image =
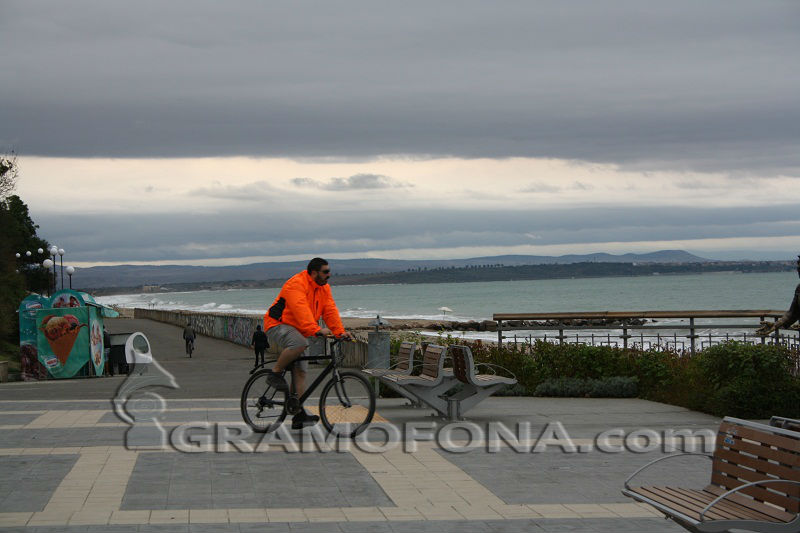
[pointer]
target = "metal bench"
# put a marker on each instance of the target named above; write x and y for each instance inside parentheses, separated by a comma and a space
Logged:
(785, 423)
(476, 387)
(403, 366)
(755, 483)
(429, 385)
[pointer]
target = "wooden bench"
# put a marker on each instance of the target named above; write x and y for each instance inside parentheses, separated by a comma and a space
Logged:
(476, 387)
(429, 385)
(755, 483)
(403, 366)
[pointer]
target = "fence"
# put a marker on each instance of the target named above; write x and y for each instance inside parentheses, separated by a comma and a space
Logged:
(643, 329)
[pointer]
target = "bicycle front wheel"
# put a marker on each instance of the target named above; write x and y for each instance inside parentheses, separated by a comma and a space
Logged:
(347, 404)
(263, 407)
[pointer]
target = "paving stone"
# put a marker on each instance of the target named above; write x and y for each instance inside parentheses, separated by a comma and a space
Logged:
(28, 481)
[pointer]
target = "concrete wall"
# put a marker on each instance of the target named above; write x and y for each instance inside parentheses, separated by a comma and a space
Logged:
(234, 328)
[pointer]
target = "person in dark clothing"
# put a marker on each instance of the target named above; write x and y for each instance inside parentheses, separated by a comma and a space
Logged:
(188, 336)
(107, 351)
(790, 317)
(259, 344)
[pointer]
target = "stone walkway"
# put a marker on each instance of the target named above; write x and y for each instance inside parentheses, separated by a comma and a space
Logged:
(67, 464)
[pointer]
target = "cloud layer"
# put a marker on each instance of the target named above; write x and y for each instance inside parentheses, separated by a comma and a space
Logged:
(678, 85)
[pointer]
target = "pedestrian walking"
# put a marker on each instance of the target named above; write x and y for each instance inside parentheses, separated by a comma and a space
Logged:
(259, 344)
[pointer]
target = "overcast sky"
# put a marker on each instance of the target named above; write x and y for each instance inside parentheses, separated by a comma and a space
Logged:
(210, 133)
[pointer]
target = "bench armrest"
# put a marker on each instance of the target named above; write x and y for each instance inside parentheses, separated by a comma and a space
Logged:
(390, 367)
(492, 367)
(740, 487)
(651, 463)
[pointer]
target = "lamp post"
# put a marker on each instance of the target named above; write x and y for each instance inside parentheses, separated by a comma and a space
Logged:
(61, 253)
(54, 252)
(47, 263)
(70, 272)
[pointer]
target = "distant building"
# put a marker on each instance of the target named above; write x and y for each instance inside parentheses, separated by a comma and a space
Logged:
(151, 288)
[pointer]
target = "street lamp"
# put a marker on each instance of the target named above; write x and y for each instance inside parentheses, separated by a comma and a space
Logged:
(53, 251)
(47, 263)
(61, 253)
(70, 272)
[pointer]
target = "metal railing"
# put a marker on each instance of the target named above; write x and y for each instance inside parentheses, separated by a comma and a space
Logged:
(643, 329)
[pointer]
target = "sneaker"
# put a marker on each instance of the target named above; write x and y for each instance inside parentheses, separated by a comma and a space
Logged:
(276, 381)
(303, 419)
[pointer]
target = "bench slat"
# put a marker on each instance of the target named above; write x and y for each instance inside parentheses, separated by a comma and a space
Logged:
(759, 465)
(790, 460)
(697, 501)
(783, 443)
(726, 506)
(655, 494)
(778, 515)
(730, 482)
(691, 502)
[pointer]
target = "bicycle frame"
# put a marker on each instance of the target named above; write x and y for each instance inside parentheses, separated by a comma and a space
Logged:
(331, 368)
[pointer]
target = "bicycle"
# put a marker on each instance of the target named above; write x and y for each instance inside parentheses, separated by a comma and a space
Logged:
(346, 403)
(189, 347)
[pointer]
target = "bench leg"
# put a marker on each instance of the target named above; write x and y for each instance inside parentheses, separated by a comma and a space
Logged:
(471, 396)
(431, 395)
(415, 402)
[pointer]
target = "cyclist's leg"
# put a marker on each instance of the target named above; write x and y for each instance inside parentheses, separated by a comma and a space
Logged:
(299, 376)
(292, 342)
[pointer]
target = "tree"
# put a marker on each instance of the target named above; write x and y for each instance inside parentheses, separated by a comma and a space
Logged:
(8, 175)
(17, 275)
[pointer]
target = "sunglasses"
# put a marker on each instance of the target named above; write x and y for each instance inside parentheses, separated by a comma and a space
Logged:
(327, 271)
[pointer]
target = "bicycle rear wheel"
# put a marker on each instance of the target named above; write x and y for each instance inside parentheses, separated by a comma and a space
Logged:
(347, 404)
(263, 407)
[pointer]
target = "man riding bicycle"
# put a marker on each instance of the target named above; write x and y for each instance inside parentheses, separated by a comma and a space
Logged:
(294, 318)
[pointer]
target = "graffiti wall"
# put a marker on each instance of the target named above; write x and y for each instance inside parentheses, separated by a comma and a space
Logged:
(234, 328)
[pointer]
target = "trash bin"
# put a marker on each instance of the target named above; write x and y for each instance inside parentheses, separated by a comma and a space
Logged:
(378, 349)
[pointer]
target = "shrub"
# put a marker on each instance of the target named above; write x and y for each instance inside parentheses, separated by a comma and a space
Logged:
(746, 380)
(612, 387)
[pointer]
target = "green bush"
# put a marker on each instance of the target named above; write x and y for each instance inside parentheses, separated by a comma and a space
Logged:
(612, 387)
(730, 379)
(744, 380)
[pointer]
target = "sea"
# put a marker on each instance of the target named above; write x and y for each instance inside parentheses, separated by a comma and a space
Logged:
(480, 300)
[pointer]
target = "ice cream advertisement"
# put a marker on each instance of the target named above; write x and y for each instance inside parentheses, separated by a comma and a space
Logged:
(28, 337)
(63, 339)
(96, 341)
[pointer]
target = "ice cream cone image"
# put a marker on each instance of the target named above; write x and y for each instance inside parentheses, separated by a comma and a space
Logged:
(61, 333)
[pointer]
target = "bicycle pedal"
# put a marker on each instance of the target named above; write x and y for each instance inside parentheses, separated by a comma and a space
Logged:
(293, 405)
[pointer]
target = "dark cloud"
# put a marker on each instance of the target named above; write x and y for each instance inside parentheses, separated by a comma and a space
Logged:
(679, 85)
(358, 181)
(277, 231)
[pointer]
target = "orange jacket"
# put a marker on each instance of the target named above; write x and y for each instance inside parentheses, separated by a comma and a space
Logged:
(304, 302)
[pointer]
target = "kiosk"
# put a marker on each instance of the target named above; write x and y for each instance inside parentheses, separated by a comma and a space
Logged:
(62, 336)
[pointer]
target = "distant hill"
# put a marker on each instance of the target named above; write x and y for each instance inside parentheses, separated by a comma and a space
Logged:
(138, 275)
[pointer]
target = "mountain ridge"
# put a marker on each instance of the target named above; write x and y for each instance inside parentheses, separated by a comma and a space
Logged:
(139, 275)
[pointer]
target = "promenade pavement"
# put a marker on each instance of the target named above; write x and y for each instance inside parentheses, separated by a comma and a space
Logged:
(67, 462)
